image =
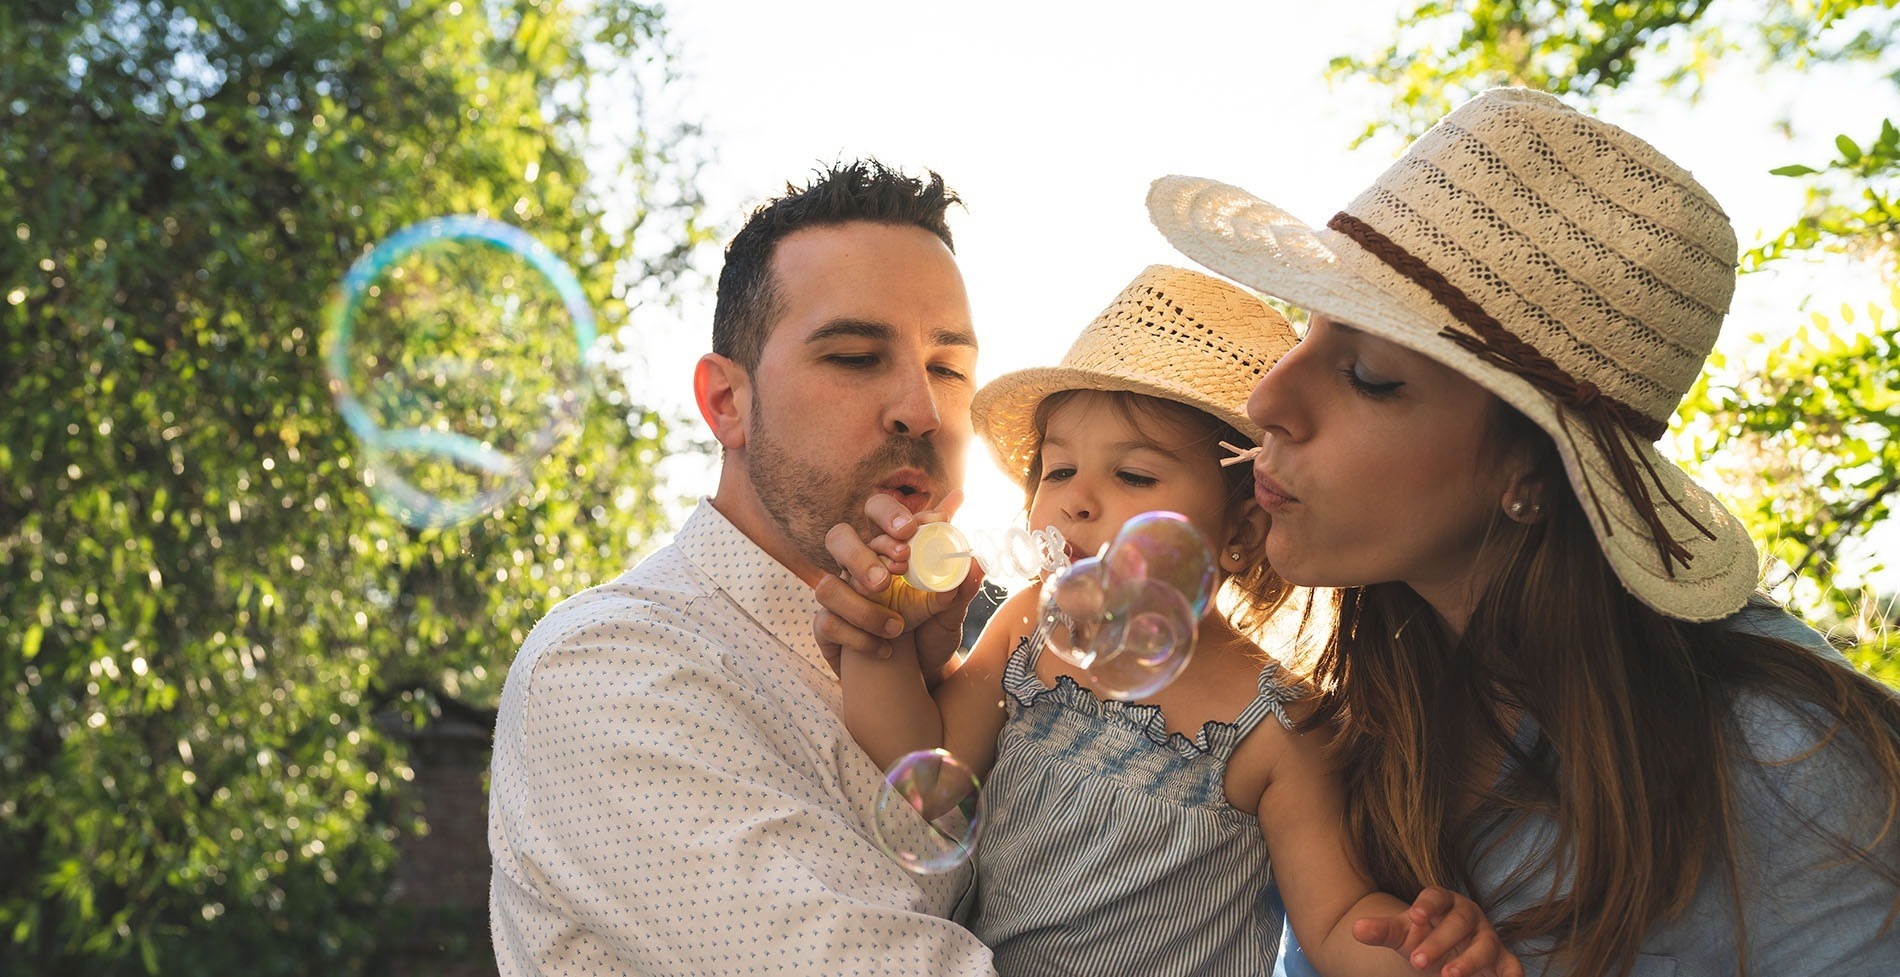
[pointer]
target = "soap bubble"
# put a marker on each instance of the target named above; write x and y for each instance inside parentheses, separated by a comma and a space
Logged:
(457, 355)
(1129, 618)
(1149, 645)
(1165, 547)
(929, 812)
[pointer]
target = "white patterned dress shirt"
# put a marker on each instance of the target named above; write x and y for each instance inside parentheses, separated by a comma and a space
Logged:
(673, 792)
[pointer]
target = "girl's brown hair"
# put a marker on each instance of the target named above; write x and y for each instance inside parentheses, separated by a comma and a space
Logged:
(1255, 592)
(1638, 734)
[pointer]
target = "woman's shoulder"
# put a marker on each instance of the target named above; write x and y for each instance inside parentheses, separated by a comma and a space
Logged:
(1763, 618)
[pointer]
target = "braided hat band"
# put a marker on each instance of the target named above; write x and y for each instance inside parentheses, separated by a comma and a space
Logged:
(1611, 265)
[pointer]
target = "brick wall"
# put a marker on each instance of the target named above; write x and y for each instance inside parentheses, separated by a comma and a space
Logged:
(439, 900)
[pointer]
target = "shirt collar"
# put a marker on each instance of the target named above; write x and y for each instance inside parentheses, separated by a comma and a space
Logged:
(765, 589)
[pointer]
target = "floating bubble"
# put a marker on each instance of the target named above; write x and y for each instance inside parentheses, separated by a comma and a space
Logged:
(1164, 546)
(1080, 612)
(1130, 617)
(1150, 644)
(457, 354)
(929, 812)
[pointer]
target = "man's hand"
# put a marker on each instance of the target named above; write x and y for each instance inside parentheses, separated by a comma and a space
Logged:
(856, 617)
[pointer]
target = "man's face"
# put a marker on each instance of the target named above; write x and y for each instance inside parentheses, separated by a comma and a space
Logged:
(864, 382)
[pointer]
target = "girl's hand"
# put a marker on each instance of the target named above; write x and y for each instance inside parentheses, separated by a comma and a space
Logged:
(866, 606)
(1442, 932)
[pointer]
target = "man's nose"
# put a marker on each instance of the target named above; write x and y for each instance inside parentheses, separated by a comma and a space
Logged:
(913, 410)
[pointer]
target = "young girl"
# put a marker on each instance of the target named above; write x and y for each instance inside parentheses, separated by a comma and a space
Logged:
(1133, 837)
(1551, 685)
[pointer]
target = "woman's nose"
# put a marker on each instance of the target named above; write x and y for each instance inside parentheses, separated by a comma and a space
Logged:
(1272, 404)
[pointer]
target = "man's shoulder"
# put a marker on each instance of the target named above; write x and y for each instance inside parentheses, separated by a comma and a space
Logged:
(662, 597)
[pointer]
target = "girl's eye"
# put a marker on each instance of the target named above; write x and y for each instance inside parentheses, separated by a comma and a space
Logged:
(1370, 388)
(1057, 474)
(1135, 481)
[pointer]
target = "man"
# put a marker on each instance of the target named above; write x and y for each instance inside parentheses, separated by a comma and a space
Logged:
(673, 791)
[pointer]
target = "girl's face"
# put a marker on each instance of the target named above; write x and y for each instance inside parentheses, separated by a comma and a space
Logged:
(1377, 466)
(1103, 464)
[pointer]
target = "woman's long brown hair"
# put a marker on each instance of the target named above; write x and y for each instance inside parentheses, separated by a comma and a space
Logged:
(1639, 738)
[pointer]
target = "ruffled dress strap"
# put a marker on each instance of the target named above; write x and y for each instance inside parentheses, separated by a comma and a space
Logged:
(1277, 687)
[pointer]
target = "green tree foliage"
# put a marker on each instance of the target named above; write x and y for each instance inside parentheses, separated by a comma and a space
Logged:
(1807, 436)
(202, 611)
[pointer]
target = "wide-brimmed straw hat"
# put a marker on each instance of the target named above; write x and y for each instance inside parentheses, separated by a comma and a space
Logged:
(1561, 263)
(1172, 333)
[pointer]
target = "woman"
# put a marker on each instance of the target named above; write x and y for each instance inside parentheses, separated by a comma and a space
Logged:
(1663, 775)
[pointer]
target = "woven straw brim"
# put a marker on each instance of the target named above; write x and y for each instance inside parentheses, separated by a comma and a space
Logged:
(1171, 333)
(1255, 243)
(1004, 411)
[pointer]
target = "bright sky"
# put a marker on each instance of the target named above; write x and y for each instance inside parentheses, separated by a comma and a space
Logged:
(1051, 125)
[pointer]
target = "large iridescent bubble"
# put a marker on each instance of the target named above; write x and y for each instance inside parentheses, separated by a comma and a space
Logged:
(929, 812)
(1129, 618)
(457, 354)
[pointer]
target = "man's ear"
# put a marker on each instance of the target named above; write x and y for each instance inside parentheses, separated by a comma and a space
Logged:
(723, 390)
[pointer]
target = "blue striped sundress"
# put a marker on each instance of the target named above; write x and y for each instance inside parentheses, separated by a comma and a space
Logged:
(1110, 847)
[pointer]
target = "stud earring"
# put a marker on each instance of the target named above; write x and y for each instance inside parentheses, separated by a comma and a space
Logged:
(1234, 556)
(1517, 508)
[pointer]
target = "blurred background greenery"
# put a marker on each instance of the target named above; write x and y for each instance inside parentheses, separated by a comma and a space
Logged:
(217, 654)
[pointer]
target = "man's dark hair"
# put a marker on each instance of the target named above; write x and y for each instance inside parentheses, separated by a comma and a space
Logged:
(863, 190)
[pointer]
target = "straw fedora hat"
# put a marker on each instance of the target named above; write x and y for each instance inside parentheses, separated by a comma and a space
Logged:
(1558, 261)
(1172, 333)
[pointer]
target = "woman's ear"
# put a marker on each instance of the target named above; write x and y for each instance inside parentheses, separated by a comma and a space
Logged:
(723, 390)
(1523, 497)
(1246, 539)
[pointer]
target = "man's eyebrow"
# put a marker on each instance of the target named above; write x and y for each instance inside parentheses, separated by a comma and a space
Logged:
(852, 329)
(884, 332)
(953, 337)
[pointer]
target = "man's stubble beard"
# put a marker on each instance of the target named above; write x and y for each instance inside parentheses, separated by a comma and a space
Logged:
(805, 501)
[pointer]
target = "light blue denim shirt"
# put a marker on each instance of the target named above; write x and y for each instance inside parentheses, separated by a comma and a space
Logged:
(1808, 911)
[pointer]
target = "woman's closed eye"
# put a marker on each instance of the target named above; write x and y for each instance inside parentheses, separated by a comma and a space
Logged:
(1368, 386)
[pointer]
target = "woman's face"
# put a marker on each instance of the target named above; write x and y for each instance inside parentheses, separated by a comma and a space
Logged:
(1376, 467)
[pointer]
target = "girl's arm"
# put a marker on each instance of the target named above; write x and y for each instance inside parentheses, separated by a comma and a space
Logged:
(887, 706)
(890, 711)
(972, 697)
(1326, 890)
